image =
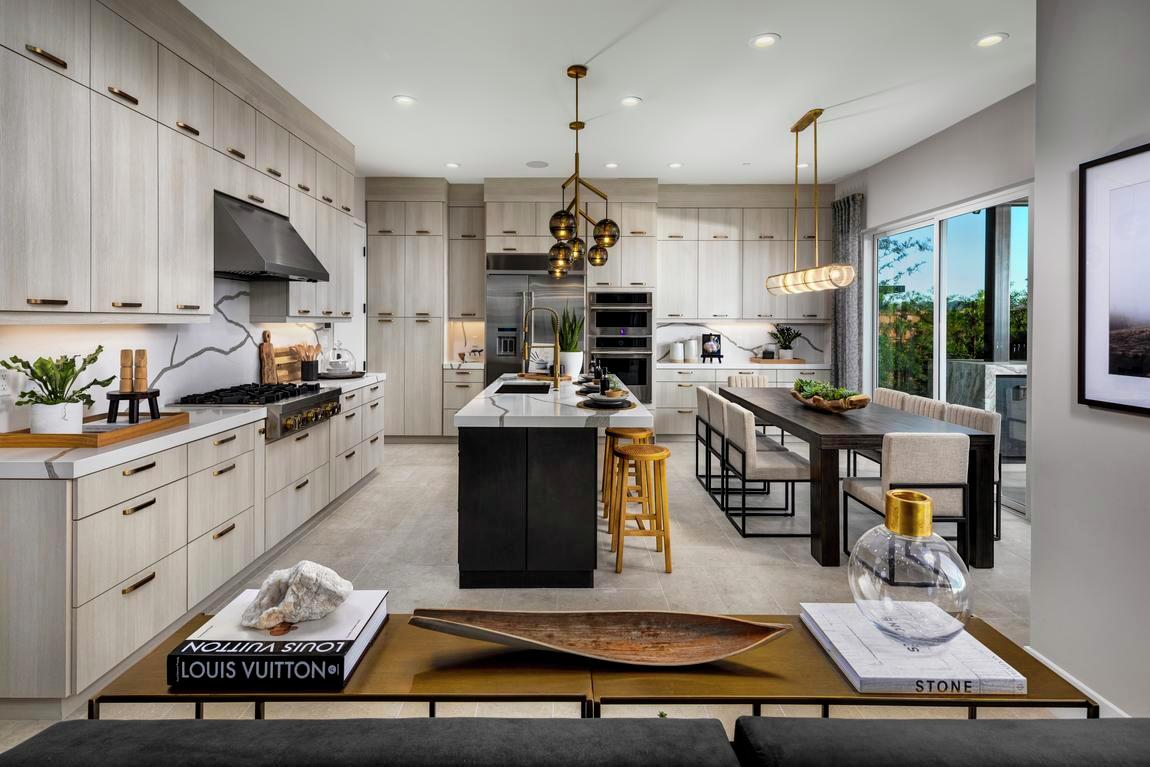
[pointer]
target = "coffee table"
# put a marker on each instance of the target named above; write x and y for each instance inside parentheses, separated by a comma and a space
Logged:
(404, 663)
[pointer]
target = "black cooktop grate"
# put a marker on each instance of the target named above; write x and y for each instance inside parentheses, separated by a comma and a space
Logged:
(250, 394)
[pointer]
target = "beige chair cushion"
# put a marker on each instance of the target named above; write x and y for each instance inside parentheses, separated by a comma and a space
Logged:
(770, 465)
(935, 458)
(925, 406)
(868, 491)
(747, 381)
(716, 417)
(889, 397)
(980, 420)
(701, 402)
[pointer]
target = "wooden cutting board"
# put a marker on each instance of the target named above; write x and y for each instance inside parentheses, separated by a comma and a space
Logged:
(112, 434)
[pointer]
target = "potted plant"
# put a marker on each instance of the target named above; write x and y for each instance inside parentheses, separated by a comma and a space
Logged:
(57, 403)
(570, 343)
(785, 336)
(828, 398)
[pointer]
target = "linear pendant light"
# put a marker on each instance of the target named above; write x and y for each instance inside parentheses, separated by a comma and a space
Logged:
(816, 278)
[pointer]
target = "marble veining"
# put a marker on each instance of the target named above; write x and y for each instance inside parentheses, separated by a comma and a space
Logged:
(555, 410)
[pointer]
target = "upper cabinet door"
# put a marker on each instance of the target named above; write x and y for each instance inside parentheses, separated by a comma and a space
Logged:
(186, 223)
(347, 192)
(301, 166)
(186, 98)
(424, 218)
(465, 223)
(272, 148)
(124, 219)
(423, 276)
(638, 219)
(235, 127)
(760, 261)
(333, 252)
(54, 33)
(767, 224)
(45, 189)
(807, 224)
(639, 263)
(301, 295)
(384, 276)
(720, 224)
(385, 218)
(610, 274)
(720, 279)
(466, 279)
(125, 64)
(678, 279)
(327, 180)
(511, 218)
(678, 224)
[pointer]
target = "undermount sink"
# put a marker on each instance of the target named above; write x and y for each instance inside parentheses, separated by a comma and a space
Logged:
(533, 387)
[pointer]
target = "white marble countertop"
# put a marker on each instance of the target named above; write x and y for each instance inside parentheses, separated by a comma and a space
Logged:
(351, 384)
(69, 463)
(748, 366)
(462, 365)
(552, 410)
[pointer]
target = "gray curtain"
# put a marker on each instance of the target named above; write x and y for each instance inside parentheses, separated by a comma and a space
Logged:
(849, 220)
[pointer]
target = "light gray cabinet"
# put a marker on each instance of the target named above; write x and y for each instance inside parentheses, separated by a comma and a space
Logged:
(53, 33)
(767, 224)
(422, 376)
(335, 298)
(125, 64)
(678, 279)
(250, 185)
(385, 351)
(384, 277)
(510, 218)
(347, 192)
(466, 279)
(423, 218)
(761, 260)
(678, 223)
(720, 279)
(327, 180)
(187, 175)
(186, 98)
(464, 223)
(125, 256)
(807, 230)
(235, 127)
(423, 277)
(639, 263)
(720, 223)
(301, 295)
(610, 274)
(385, 218)
(45, 189)
(301, 166)
(272, 148)
(638, 219)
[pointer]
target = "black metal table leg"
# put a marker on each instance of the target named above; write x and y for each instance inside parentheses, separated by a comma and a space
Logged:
(825, 506)
(259, 714)
(826, 711)
(93, 708)
(431, 709)
(980, 477)
(199, 709)
(756, 709)
(972, 712)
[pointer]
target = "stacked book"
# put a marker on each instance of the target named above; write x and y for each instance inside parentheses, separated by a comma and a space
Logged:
(315, 655)
(876, 662)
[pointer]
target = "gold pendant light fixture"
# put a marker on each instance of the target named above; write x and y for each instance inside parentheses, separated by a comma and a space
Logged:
(564, 224)
(831, 276)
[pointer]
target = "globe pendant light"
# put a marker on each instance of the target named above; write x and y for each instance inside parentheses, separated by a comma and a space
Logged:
(831, 276)
(564, 222)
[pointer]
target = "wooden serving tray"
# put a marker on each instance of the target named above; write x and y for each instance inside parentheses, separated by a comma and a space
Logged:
(117, 432)
(777, 361)
(541, 377)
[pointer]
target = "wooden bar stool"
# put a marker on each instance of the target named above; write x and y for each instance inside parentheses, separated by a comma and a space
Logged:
(638, 435)
(649, 463)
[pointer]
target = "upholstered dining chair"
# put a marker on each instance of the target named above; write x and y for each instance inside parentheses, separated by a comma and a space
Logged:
(755, 381)
(703, 436)
(744, 461)
(881, 396)
(925, 406)
(934, 464)
(990, 422)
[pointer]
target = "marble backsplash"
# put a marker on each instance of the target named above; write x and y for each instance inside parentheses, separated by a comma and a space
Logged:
(743, 340)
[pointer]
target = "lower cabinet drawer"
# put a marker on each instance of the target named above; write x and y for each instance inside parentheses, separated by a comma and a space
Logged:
(294, 505)
(98, 491)
(674, 420)
(218, 554)
(125, 617)
(374, 445)
(705, 376)
(677, 394)
(449, 429)
(462, 376)
(346, 430)
(116, 542)
(219, 492)
(347, 469)
(456, 394)
(373, 391)
(295, 455)
(219, 447)
(372, 414)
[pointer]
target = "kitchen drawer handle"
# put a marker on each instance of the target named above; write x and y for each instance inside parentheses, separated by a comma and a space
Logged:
(602, 283)
(46, 56)
(187, 128)
(262, 430)
(303, 436)
(374, 388)
(47, 301)
(275, 172)
(806, 372)
(373, 440)
(640, 284)
(349, 415)
(303, 311)
(139, 507)
(684, 412)
(766, 237)
(674, 236)
(383, 320)
(385, 314)
(718, 315)
(808, 236)
(345, 209)
(303, 484)
(225, 440)
(126, 304)
(346, 314)
(384, 231)
(123, 95)
(138, 469)
(256, 198)
(225, 531)
(765, 315)
(810, 315)
(328, 312)
(349, 455)
(233, 151)
(510, 250)
(423, 314)
(637, 231)
(684, 386)
(224, 470)
(718, 236)
(304, 187)
(142, 582)
(468, 314)
(467, 236)
(674, 315)
(374, 405)
(510, 231)
(423, 321)
(423, 231)
(349, 396)
(325, 198)
(462, 386)
(191, 307)
(684, 373)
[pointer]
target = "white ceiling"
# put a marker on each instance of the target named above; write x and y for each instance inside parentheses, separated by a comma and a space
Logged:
(492, 93)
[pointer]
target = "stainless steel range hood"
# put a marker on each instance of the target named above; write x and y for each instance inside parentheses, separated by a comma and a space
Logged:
(255, 244)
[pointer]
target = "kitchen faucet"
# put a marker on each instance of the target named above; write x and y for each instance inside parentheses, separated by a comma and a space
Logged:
(528, 346)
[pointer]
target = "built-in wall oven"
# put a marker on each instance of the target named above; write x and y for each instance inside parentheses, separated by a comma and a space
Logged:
(621, 336)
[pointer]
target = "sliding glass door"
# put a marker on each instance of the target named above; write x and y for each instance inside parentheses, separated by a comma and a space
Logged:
(905, 308)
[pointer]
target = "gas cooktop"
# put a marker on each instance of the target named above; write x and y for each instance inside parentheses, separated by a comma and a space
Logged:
(251, 394)
(291, 407)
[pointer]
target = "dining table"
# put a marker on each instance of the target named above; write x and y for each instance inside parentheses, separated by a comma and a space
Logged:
(863, 429)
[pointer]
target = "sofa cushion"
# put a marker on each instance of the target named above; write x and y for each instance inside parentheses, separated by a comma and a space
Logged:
(475, 742)
(782, 742)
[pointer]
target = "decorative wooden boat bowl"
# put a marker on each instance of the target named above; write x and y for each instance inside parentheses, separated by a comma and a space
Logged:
(636, 637)
(816, 402)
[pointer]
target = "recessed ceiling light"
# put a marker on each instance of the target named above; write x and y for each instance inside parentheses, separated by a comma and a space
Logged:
(803, 165)
(630, 101)
(765, 40)
(403, 99)
(674, 165)
(451, 165)
(994, 38)
(536, 164)
(611, 165)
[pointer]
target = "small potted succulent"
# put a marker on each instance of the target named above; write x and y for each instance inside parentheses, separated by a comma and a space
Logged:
(570, 343)
(57, 402)
(785, 336)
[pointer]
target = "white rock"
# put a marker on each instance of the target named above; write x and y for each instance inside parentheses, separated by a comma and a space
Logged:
(304, 592)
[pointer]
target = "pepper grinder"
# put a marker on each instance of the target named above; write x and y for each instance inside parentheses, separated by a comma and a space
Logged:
(125, 371)
(141, 375)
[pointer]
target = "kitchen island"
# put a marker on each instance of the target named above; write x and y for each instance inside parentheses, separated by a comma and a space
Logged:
(528, 486)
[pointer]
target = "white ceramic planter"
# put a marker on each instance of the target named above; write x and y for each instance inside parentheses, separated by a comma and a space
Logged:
(571, 363)
(67, 418)
(786, 354)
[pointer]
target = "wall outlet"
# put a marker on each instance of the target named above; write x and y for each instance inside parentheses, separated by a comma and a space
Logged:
(5, 389)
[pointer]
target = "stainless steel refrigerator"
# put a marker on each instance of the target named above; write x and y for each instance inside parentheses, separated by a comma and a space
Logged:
(509, 295)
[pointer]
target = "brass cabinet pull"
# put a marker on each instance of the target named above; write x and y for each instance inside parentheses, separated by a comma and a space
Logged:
(385, 231)
(225, 531)
(303, 311)
(674, 236)
(684, 412)
(468, 314)
(423, 314)
(808, 236)
(684, 386)
(142, 582)
(185, 127)
(126, 304)
(138, 507)
(262, 430)
(674, 315)
(373, 440)
(463, 372)
(256, 198)
(383, 320)
(46, 56)
(684, 373)
(224, 470)
(47, 301)
(510, 249)
(349, 415)
(718, 236)
(385, 314)
(806, 372)
(374, 388)
(304, 187)
(303, 484)
(346, 314)
(637, 232)
(766, 315)
(462, 386)
(233, 151)
(349, 455)
(345, 209)
(468, 236)
(718, 315)
(138, 469)
(510, 231)
(602, 283)
(423, 321)
(192, 307)
(809, 315)
(766, 237)
(225, 440)
(374, 405)
(349, 396)
(123, 95)
(328, 312)
(275, 172)
(423, 231)
(638, 283)
(303, 436)
(325, 198)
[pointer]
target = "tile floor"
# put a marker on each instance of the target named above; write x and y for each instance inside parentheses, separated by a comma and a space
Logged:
(399, 532)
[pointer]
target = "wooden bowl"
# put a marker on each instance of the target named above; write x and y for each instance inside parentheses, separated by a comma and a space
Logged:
(856, 402)
(616, 393)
